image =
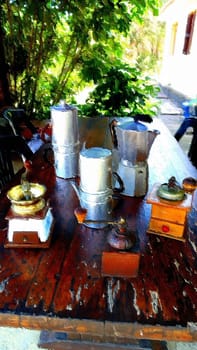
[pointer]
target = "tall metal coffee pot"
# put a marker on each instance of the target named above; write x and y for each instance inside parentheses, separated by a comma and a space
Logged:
(65, 140)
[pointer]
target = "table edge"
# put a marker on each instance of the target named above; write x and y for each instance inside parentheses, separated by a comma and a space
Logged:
(102, 331)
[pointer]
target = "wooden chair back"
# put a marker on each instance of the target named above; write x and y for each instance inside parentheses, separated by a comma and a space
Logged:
(6, 167)
(10, 146)
(17, 118)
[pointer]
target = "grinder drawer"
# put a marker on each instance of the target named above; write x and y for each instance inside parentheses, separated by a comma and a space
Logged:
(166, 227)
(26, 237)
(171, 214)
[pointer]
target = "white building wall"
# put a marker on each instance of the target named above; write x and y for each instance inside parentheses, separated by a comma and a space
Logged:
(179, 71)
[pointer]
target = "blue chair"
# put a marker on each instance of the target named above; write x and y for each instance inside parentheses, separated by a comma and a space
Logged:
(189, 123)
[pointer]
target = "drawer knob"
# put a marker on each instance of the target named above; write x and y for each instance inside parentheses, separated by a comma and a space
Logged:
(165, 228)
(25, 239)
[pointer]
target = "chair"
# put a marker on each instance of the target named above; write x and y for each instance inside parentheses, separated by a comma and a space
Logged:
(189, 123)
(8, 144)
(5, 128)
(19, 121)
(22, 126)
(6, 168)
(192, 154)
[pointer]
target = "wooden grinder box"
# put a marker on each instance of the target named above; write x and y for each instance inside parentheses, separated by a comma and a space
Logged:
(168, 218)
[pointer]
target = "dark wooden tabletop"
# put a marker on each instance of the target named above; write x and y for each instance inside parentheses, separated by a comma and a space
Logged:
(61, 288)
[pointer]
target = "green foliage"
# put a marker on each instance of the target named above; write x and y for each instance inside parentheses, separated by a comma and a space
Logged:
(54, 47)
(122, 91)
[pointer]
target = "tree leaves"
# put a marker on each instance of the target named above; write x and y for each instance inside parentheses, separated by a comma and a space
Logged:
(54, 46)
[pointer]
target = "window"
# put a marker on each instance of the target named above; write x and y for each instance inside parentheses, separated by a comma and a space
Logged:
(173, 38)
(189, 33)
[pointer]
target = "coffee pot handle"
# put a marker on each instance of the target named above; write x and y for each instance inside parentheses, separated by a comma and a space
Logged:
(120, 182)
(112, 126)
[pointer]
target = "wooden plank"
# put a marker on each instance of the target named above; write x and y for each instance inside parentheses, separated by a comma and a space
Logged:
(20, 266)
(59, 340)
(100, 331)
(41, 291)
(137, 331)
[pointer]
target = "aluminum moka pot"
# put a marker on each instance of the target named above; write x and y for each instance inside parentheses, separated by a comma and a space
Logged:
(65, 140)
(95, 189)
(134, 141)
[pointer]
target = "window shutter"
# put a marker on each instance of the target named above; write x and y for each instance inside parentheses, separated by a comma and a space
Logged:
(189, 33)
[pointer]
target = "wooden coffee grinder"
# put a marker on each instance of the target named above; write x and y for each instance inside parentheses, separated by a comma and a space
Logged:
(30, 219)
(170, 206)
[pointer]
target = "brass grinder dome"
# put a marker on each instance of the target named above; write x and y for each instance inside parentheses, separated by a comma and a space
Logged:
(23, 206)
(171, 191)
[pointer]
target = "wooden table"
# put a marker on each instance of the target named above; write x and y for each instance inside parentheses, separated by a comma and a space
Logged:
(61, 288)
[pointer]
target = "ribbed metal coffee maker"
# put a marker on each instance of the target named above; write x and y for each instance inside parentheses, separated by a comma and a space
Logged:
(133, 141)
(65, 140)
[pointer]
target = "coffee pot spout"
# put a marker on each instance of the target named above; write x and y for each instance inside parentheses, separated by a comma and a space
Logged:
(76, 189)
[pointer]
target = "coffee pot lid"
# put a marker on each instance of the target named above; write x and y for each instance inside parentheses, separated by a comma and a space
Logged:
(63, 106)
(133, 126)
(96, 152)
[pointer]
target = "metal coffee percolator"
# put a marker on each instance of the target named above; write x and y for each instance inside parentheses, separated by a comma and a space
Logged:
(95, 189)
(65, 140)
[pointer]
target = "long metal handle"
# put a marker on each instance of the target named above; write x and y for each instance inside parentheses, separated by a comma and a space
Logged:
(120, 222)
